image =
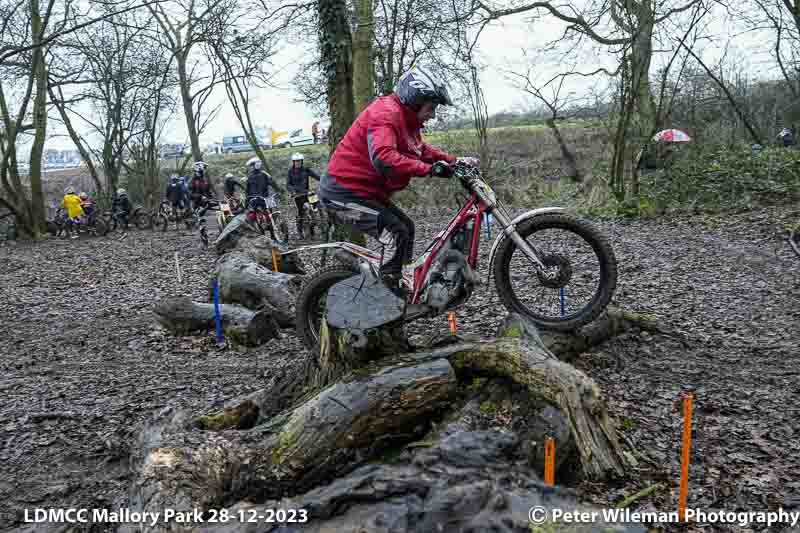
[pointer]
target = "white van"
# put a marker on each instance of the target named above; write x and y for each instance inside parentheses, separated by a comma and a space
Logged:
(299, 137)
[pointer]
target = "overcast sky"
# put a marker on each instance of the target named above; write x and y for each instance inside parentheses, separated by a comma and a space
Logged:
(501, 46)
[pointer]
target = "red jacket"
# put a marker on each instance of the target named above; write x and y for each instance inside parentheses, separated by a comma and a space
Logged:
(382, 150)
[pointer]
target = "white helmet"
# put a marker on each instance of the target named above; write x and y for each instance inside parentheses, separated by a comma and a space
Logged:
(228, 175)
(69, 190)
(254, 162)
(122, 192)
(297, 156)
(200, 165)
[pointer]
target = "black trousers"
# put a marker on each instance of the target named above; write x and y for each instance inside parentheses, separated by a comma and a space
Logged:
(372, 218)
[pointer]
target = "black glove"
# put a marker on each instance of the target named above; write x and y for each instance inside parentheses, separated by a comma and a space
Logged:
(441, 169)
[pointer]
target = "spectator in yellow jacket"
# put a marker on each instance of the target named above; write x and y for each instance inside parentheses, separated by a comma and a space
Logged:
(72, 203)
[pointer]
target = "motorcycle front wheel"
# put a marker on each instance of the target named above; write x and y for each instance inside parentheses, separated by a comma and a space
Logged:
(578, 281)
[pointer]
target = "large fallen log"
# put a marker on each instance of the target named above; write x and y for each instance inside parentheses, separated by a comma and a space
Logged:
(183, 316)
(521, 356)
(327, 436)
(248, 453)
(614, 322)
(468, 481)
(289, 388)
(243, 281)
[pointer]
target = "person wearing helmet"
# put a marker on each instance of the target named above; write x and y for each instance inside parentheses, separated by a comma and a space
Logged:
(121, 206)
(297, 185)
(201, 189)
(231, 184)
(786, 136)
(378, 156)
(87, 204)
(258, 181)
(175, 192)
(72, 203)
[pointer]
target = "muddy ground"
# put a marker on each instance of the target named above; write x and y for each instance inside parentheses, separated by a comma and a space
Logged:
(82, 362)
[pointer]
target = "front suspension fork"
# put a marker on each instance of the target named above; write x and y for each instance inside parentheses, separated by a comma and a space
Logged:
(511, 232)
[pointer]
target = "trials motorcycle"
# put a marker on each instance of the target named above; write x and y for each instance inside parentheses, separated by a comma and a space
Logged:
(551, 266)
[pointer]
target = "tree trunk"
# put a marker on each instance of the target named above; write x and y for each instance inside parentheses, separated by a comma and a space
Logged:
(183, 316)
(37, 213)
(644, 107)
(363, 67)
(86, 156)
(244, 282)
(574, 172)
(363, 322)
(188, 108)
(336, 58)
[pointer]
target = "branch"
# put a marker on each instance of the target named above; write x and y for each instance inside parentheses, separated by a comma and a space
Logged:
(677, 10)
(16, 51)
(728, 95)
(579, 23)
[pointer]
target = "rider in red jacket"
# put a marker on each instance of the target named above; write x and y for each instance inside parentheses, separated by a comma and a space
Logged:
(378, 156)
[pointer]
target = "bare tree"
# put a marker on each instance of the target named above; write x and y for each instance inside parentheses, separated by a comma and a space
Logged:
(122, 63)
(184, 24)
(559, 102)
(243, 51)
(24, 32)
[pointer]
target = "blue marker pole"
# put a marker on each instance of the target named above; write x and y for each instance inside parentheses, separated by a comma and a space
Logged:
(561, 297)
(488, 218)
(220, 338)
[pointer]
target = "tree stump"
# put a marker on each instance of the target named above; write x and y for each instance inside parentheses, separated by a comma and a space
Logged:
(243, 281)
(363, 322)
(183, 316)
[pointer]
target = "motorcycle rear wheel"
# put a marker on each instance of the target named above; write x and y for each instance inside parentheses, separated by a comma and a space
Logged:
(310, 305)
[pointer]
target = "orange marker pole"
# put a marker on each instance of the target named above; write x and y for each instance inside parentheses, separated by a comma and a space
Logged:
(687, 445)
(274, 260)
(451, 317)
(550, 461)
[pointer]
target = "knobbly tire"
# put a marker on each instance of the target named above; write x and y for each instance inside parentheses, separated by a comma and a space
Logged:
(307, 323)
(160, 223)
(141, 220)
(99, 228)
(600, 246)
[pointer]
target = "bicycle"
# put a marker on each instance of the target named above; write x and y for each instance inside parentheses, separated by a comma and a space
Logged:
(263, 214)
(444, 276)
(138, 217)
(92, 225)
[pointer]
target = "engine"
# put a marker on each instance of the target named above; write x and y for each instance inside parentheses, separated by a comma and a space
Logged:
(451, 283)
